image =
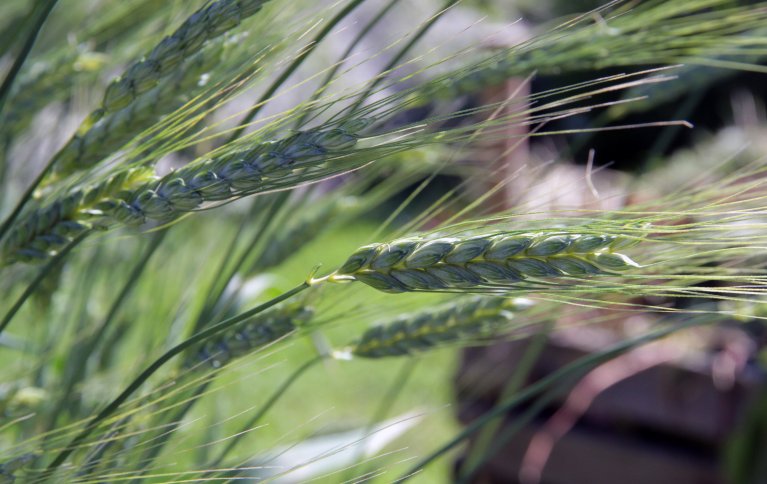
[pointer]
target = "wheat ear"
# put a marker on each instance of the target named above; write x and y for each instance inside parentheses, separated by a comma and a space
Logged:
(249, 336)
(116, 129)
(44, 231)
(205, 24)
(261, 168)
(469, 317)
(134, 196)
(499, 259)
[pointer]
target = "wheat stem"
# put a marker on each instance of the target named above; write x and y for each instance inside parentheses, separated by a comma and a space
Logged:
(42, 16)
(151, 454)
(58, 259)
(76, 370)
(278, 393)
(512, 386)
(246, 337)
(535, 408)
(265, 328)
(157, 364)
(382, 410)
(25, 197)
(226, 271)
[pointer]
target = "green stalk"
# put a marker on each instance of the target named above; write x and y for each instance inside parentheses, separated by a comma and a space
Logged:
(27, 196)
(5, 144)
(386, 404)
(157, 364)
(59, 258)
(10, 31)
(217, 290)
(485, 438)
(129, 284)
(574, 370)
(5, 91)
(150, 455)
(219, 283)
(95, 458)
(18, 62)
(504, 437)
(232, 443)
(76, 373)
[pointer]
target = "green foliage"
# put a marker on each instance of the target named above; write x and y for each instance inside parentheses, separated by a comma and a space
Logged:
(160, 303)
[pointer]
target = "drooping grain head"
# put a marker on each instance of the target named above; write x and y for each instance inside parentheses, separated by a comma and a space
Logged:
(46, 230)
(494, 260)
(207, 23)
(252, 335)
(236, 174)
(114, 130)
(141, 197)
(467, 318)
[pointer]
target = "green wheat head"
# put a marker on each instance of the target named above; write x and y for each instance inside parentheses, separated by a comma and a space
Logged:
(156, 311)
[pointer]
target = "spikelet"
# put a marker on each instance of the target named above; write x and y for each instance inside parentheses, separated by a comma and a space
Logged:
(237, 174)
(470, 317)
(498, 259)
(114, 130)
(45, 231)
(249, 336)
(207, 23)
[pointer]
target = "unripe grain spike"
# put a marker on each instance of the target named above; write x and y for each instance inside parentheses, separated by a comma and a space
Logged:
(492, 260)
(469, 317)
(207, 23)
(46, 230)
(252, 335)
(228, 176)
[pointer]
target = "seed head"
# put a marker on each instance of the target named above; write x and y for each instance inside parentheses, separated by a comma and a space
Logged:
(469, 317)
(499, 259)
